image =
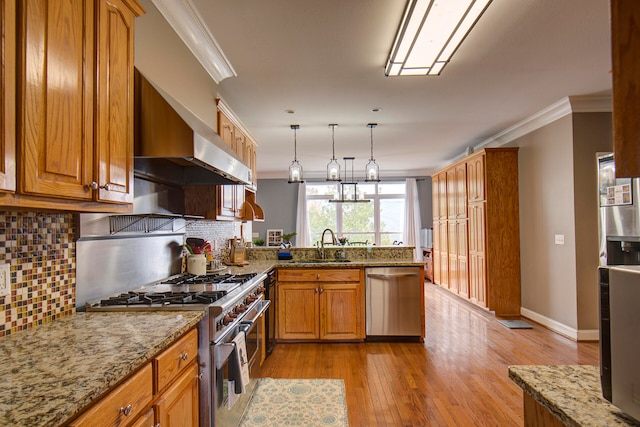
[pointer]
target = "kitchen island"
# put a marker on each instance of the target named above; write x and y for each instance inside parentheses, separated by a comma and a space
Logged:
(566, 395)
(53, 371)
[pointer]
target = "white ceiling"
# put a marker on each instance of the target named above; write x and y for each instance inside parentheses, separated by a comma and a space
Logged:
(325, 60)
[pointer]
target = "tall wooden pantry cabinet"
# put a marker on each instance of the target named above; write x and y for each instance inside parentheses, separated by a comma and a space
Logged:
(476, 229)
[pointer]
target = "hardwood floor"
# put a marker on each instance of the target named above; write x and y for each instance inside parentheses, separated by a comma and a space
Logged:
(457, 377)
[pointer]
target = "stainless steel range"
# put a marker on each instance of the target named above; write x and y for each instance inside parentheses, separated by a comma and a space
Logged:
(232, 304)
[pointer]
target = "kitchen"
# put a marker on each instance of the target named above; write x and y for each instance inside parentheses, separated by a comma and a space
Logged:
(565, 302)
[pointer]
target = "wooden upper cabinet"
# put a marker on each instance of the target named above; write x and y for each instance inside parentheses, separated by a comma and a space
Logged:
(226, 130)
(8, 43)
(461, 190)
(475, 178)
(451, 193)
(56, 120)
(625, 44)
(75, 103)
(236, 137)
(114, 115)
(240, 145)
(435, 196)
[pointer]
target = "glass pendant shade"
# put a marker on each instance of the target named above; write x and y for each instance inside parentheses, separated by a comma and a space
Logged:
(333, 167)
(333, 171)
(295, 170)
(371, 171)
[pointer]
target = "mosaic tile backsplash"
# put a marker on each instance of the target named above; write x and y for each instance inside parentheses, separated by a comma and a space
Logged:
(41, 250)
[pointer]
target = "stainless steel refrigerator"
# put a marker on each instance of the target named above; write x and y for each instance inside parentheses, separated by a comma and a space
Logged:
(619, 216)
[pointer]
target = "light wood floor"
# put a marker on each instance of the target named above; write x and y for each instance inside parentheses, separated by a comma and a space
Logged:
(458, 377)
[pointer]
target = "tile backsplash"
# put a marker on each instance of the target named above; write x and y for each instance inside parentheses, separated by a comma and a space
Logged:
(41, 250)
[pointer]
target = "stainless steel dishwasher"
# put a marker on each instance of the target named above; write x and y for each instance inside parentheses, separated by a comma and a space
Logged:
(393, 302)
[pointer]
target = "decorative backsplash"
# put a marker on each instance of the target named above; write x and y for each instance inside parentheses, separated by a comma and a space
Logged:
(216, 232)
(41, 250)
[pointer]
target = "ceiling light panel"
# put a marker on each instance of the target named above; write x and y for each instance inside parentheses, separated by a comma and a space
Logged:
(430, 33)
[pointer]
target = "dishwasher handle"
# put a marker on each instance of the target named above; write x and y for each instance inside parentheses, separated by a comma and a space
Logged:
(391, 276)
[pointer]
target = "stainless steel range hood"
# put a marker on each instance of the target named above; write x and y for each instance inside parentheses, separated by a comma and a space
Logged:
(173, 146)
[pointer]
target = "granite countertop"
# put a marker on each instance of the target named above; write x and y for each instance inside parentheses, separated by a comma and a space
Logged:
(52, 371)
(263, 266)
(570, 392)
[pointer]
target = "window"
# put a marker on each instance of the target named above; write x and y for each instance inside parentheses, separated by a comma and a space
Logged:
(379, 222)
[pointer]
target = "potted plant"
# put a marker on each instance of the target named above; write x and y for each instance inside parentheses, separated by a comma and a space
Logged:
(286, 239)
(258, 242)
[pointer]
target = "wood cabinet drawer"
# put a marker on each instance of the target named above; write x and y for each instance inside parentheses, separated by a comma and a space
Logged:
(319, 275)
(145, 420)
(176, 358)
(122, 405)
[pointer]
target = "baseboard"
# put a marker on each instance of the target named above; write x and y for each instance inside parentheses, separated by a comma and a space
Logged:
(560, 328)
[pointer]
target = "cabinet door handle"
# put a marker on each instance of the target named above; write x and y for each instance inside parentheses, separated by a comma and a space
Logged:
(94, 186)
(126, 411)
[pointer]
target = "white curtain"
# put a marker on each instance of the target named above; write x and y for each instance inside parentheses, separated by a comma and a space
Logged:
(412, 226)
(303, 235)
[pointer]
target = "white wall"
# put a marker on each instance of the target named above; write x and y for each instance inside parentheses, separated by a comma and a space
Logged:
(546, 209)
(165, 60)
(558, 195)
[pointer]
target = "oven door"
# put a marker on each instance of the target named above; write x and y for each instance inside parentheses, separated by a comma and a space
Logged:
(229, 407)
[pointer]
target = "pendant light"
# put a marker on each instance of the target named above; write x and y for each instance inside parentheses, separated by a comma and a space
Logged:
(333, 167)
(295, 170)
(371, 171)
(352, 184)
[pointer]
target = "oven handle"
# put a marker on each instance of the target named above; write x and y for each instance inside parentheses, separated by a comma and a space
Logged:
(223, 351)
(264, 304)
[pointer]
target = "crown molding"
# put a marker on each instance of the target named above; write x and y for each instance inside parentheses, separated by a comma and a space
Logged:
(187, 22)
(557, 110)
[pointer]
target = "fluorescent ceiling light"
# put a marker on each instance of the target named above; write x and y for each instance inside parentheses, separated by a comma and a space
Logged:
(429, 35)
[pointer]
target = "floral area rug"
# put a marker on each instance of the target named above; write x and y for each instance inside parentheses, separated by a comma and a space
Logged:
(297, 402)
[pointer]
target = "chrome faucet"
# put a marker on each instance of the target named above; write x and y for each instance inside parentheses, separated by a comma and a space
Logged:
(333, 241)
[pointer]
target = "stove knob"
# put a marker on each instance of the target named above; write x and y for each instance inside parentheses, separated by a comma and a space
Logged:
(251, 298)
(232, 314)
(241, 308)
(227, 319)
(260, 289)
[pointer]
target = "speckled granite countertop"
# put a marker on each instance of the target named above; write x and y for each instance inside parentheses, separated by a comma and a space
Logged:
(51, 372)
(570, 392)
(263, 266)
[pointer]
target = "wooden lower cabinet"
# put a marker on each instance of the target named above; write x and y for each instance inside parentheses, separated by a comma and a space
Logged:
(164, 392)
(147, 419)
(178, 406)
(320, 304)
(122, 405)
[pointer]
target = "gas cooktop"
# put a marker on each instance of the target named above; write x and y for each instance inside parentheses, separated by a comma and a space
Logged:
(181, 290)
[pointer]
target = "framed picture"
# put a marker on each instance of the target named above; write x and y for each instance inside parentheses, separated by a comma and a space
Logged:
(274, 237)
(613, 191)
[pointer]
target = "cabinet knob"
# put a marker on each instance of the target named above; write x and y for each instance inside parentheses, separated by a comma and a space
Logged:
(318, 276)
(321, 290)
(317, 290)
(126, 411)
(200, 376)
(94, 186)
(184, 356)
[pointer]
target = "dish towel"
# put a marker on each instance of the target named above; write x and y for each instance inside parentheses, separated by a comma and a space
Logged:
(238, 368)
